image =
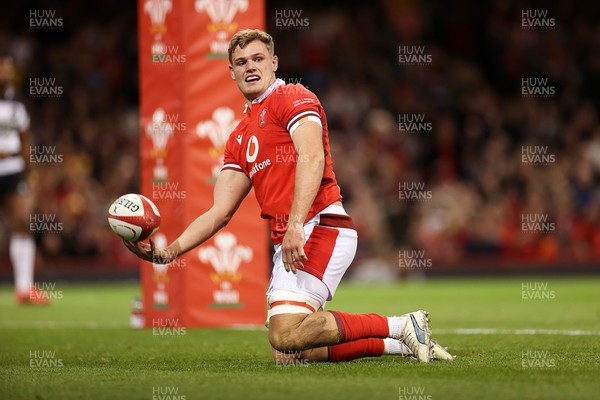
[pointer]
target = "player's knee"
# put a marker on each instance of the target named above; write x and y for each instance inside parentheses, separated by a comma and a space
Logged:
(287, 313)
(19, 213)
(278, 340)
(285, 340)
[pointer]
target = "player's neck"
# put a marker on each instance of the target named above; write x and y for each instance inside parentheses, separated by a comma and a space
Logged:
(249, 100)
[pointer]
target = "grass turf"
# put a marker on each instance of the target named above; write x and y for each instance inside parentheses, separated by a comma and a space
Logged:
(102, 358)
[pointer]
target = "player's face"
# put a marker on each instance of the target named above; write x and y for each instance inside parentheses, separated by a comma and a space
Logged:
(253, 69)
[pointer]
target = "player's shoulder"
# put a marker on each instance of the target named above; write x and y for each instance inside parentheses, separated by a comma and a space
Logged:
(294, 95)
(13, 102)
(292, 90)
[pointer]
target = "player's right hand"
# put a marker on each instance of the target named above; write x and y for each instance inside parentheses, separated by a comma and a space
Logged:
(292, 248)
(149, 252)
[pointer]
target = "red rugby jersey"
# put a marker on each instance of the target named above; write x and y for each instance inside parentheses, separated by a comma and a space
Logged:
(262, 148)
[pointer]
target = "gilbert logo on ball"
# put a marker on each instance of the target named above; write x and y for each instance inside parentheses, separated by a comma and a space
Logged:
(133, 217)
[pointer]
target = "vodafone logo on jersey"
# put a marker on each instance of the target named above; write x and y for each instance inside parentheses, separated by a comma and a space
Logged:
(252, 150)
(252, 153)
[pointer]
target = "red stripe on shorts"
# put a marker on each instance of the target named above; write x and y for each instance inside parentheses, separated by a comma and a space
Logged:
(319, 249)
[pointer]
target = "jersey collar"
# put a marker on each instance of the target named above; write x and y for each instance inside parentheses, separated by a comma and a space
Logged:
(278, 82)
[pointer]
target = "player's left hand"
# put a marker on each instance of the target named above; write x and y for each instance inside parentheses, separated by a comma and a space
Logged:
(292, 248)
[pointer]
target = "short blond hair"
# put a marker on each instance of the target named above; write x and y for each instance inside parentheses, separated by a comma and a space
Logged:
(242, 38)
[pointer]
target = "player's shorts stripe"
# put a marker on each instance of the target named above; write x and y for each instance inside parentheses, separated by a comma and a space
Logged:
(296, 117)
(292, 303)
(319, 249)
(336, 221)
(231, 166)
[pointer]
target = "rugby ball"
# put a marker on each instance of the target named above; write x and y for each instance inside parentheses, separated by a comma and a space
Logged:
(133, 217)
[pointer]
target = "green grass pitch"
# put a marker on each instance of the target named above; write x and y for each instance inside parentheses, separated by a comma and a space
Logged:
(88, 351)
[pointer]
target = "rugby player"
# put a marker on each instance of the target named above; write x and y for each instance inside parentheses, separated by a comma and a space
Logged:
(315, 240)
(16, 200)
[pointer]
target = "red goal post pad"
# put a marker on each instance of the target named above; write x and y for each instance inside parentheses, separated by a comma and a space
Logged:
(189, 105)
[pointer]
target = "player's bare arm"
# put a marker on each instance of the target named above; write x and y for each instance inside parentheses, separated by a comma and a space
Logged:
(230, 189)
(25, 137)
(308, 141)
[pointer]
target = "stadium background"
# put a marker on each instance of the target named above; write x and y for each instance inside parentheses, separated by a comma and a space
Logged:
(468, 162)
(529, 334)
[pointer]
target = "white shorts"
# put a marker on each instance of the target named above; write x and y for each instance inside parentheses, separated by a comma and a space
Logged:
(330, 246)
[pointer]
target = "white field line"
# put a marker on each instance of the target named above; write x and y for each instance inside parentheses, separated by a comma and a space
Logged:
(486, 331)
(8, 324)
(62, 324)
(119, 325)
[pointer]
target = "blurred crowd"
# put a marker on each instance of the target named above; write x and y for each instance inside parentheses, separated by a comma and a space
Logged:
(498, 175)
(88, 129)
(473, 167)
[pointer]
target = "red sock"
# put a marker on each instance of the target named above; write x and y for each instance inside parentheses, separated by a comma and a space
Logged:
(371, 347)
(360, 326)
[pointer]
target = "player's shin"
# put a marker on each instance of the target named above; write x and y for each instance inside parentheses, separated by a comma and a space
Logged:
(348, 351)
(361, 326)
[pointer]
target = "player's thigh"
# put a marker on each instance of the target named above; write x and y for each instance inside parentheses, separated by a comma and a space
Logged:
(339, 255)
(330, 252)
